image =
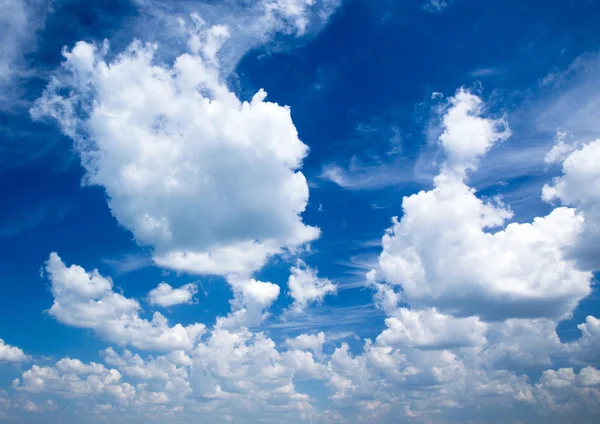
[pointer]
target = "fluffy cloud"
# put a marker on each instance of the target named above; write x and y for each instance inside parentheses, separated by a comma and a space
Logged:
(211, 182)
(586, 350)
(431, 329)
(445, 253)
(522, 344)
(10, 353)
(72, 378)
(250, 301)
(166, 296)
(306, 287)
(308, 342)
(86, 300)
(565, 390)
(579, 186)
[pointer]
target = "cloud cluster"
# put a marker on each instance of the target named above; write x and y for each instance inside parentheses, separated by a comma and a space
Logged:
(424, 362)
(453, 251)
(87, 300)
(213, 184)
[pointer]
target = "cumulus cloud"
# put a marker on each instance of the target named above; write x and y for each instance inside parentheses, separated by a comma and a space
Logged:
(586, 350)
(87, 300)
(251, 299)
(211, 182)
(313, 342)
(10, 353)
(166, 296)
(447, 251)
(579, 186)
(71, 377)
(306, 287)
(431, 329)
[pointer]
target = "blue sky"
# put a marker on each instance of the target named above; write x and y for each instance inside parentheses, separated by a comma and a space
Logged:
(320, 211)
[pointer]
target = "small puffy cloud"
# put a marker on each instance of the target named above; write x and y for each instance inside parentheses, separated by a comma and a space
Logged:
(467, 134)
(305, 287)
(445, 252)
(251, 299)
(87, 300)
(430, 329)
(166, 296)
(10, 353)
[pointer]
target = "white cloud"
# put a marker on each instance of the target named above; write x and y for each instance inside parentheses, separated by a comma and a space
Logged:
(444, 253)
(306, 287)
(86, 300)
(522, 344)
(431, 329)
(313, 342)
(586, 349)
(212, 183)
(251, 300)
(166, 296)
(72, 378)
(10, 353)
(170, 377)
(467, 135)
(579, 186)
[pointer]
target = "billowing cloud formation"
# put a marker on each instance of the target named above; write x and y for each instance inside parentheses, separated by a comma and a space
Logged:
(579, 186)
(211, 182)
(166, 296)
(423, 362)
(10, 353)
(87, 300)
(430, 329)
(444, 252)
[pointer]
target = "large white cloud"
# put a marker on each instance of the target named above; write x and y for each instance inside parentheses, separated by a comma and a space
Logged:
(211, 182)
(87, 300)
(447, 251)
